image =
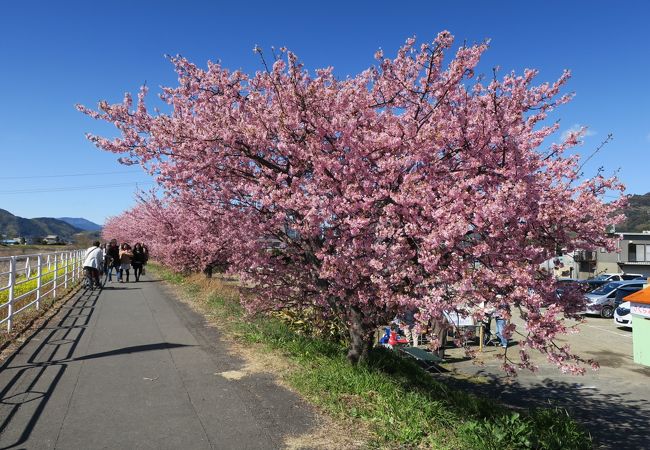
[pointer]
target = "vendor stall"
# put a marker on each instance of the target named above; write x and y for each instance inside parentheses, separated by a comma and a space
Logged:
(640, 310)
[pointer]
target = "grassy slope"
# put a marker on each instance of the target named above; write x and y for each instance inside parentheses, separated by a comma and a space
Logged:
(402, 405)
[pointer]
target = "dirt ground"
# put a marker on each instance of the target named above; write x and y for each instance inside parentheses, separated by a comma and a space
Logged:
(612, 402)
(12, 250)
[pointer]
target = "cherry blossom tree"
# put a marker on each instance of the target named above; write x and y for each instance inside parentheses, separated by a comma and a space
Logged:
(176, 232)
(413, 185)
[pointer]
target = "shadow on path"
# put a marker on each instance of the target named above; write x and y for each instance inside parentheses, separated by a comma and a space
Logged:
(119, 351)
(109, 284)
(50, 352)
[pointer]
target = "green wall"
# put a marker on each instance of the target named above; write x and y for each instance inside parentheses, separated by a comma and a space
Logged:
(641, 339)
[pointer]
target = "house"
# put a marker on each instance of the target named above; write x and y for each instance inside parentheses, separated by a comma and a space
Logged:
(634, 255)
(14, 241)
(52, 239)
(585, 264)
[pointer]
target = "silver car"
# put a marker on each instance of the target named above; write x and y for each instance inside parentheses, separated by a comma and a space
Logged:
(601, 300)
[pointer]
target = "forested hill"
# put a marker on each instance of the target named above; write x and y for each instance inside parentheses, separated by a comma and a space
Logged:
(81, 223)
(638, 214)
(13, 226)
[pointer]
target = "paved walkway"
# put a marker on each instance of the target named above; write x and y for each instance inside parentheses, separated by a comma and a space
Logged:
(127, 367)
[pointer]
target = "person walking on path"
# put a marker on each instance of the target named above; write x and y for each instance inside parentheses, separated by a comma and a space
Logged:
(138, 260)
(145, 249)
(104, 265)
(113, 260)
(125, 261)
(93, 261)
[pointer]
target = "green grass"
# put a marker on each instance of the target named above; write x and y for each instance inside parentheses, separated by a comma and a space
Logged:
(401, 404)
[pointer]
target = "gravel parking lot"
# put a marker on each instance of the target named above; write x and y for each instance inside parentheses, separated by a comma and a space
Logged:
(613, 402)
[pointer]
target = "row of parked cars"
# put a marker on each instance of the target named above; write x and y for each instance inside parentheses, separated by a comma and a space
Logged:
(605, 294)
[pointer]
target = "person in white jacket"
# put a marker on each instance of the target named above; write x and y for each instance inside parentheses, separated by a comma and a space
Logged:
(93, 262)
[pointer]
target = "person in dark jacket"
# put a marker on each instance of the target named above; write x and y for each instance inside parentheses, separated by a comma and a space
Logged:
(138, 261)
(146, 257)
(113, 259)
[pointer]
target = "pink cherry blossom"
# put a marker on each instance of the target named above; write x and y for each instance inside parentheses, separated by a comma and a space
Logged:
(413, 184)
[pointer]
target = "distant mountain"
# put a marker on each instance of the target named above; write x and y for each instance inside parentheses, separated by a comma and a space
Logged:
(81, 223)
(13, 226)
(638, 214)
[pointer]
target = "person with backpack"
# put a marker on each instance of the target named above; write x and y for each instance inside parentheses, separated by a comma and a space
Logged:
(93, 263)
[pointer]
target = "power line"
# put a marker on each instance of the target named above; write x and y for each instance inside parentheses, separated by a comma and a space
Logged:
(74, 188)
(609, 137)
(67, 175)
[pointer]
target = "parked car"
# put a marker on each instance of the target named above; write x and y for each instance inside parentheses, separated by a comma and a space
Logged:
(605, 278)
(601, 300)
(601, 280)
(563, 284)
(608, 277)
(622, 316)
(623, 292)
(565, 281)
(632, 276)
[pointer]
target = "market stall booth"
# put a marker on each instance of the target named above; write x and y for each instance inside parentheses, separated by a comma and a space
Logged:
(640, 310)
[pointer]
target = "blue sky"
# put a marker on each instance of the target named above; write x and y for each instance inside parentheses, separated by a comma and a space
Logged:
(57, 54)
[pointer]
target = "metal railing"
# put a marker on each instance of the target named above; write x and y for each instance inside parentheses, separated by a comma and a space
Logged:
(25, 280)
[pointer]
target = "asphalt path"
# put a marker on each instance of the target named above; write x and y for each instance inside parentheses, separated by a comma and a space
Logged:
(127, 367)
(613, 402)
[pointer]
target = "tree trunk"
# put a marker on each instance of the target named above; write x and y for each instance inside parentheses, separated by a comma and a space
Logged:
(208, 271)
(440, 330)
(359, 343)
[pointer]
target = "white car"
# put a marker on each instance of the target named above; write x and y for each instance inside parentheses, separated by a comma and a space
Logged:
(622, 316)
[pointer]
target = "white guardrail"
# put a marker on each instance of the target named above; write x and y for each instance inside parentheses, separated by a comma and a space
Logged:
(26, 279)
